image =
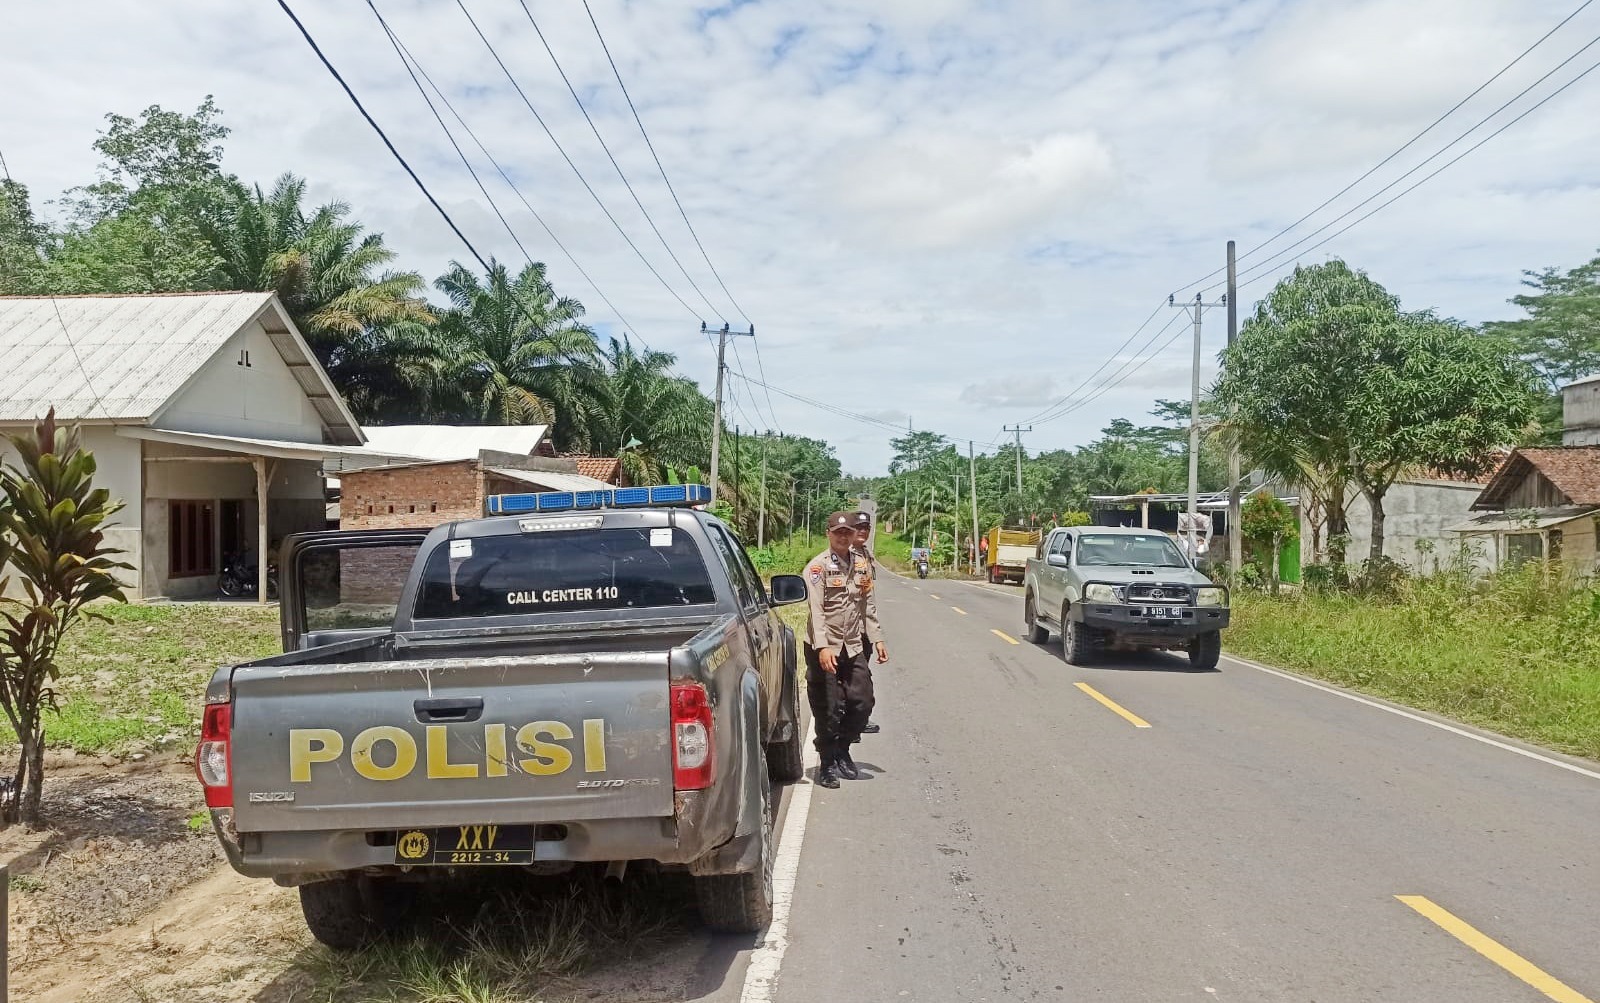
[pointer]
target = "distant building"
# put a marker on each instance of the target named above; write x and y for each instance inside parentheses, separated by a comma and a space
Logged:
(1543, 503)
(1580, 412)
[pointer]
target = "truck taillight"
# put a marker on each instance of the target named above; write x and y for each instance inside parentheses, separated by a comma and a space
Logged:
(212, 759)
(692, 755)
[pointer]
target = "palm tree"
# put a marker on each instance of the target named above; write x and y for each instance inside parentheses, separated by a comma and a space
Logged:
(368, 328)
(665, 416)
(518, 353)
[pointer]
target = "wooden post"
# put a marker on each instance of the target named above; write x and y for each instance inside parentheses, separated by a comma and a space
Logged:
(263, 483)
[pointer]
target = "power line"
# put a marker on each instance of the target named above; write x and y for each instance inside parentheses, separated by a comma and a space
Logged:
(1109, 359)
(609, 156)
(406, 55)
(1133, 364)
(1424, 180)
(855, 415)
(639, 121)
(652, 147)
(1402, 148)
(562, 150)
(1436, 154)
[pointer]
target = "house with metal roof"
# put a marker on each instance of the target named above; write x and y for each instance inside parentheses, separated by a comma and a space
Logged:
(208, 415)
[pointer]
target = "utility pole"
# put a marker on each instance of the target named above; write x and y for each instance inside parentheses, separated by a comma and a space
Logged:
(809, 491)
(972, 469)
(792, 510)
(955, 528)
(736, 474)
(1018, 429)
(1235, 536)
(761, 523)
(930, 521)
(716, 413)
(1196, 309)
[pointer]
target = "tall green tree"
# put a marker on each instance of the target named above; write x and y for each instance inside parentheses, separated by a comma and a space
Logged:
(1561, 334)
(1331, 383)
(639, 400)
(519, 352)
(368, 325)
(23, 241)
(138, 228)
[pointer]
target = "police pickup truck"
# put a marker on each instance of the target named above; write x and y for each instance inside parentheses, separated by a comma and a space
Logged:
(1109, 587)
(598, 676)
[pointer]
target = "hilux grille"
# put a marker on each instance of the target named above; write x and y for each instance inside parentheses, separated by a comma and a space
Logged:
(1157, 593)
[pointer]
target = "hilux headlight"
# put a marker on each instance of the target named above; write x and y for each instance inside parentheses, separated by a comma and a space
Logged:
(1209, 597)
(1099, 593)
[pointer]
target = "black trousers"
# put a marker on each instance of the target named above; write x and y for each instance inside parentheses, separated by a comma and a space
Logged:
(841, 701)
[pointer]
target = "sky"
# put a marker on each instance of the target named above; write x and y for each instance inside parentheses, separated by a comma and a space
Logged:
(947, 213)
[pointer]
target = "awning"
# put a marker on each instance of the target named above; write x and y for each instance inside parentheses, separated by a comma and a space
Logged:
(282, 449)
(1530, 521)
(550, 480)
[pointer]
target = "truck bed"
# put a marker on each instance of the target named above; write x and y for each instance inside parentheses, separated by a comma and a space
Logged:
(488, 725)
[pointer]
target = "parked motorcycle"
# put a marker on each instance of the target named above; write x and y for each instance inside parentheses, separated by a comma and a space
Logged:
(239, 577)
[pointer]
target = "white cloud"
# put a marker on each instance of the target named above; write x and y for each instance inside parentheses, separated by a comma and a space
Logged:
(957, 193)
(1013, 392)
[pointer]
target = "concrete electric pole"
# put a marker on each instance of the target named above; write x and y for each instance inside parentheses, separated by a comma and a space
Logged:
(1235, 536)
(716, 414)
(1196, 309)
(972, 469)
(761, 519)
(1018, 429)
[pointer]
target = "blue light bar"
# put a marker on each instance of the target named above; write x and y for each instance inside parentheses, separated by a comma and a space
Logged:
(658, 496)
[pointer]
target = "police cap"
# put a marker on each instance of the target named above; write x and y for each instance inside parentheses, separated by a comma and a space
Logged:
(862, 519)
(842, 520)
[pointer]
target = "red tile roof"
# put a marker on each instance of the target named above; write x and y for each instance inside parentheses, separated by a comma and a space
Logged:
(603, 468)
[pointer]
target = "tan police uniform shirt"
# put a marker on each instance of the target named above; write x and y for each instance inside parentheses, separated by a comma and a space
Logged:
(842, 607)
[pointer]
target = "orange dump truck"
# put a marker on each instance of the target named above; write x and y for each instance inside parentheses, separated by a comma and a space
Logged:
(1008, 553)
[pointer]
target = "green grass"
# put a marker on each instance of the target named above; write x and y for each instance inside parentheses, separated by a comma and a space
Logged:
(515, 941)
(136, 681)
(1519, 654)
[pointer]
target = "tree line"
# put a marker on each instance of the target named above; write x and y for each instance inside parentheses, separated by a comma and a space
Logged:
(502, 347)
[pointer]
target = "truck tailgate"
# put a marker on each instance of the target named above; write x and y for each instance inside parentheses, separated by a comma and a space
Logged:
(451, 741)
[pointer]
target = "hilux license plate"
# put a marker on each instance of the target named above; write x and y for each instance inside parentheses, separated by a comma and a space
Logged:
(1163, 612)
(465, 845)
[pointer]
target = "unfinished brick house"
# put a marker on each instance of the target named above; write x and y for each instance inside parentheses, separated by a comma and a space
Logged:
(421, 495)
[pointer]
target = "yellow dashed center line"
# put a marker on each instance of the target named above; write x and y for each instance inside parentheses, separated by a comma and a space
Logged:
(1512, 962)
(1002, 635)
(958, 609)
(932, 596)
(1114, 707)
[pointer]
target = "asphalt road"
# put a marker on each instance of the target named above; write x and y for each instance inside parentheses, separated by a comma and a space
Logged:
(1020, 839)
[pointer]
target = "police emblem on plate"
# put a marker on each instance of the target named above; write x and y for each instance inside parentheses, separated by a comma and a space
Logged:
(413, 845)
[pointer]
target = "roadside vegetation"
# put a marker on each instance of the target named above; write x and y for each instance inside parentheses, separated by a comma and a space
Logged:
(1518, 653)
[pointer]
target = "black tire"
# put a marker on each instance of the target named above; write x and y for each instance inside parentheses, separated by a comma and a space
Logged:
(1204, 651)
(1077, 643)
(742, 903)
(347, 913)
(1037, 632)
(785, 762)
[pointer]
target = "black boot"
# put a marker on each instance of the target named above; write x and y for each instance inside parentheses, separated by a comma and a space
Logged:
(846, 767)
(870, 728)
(826, 777)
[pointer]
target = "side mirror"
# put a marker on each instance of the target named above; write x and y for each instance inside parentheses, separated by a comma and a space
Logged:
(787, 589)
(1056, 560)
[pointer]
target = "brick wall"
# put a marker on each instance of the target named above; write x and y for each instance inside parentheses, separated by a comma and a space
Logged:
(409, 497)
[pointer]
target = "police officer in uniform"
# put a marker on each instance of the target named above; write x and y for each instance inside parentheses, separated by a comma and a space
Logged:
(863, 522)
(841, 633)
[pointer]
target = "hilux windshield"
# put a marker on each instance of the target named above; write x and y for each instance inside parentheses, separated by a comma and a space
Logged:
(559, 572)
(1145, 550)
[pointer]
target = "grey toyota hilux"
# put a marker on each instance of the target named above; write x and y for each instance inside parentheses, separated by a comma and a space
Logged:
(1114, 588)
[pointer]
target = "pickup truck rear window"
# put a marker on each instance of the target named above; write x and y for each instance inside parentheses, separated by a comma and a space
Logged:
(560, 572)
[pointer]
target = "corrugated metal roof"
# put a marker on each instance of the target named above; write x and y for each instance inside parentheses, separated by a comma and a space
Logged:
(110, 356)
(280, 448)
(454, 442)
(550, 480)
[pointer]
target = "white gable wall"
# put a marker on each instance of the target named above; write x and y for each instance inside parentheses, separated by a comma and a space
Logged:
(262, 400)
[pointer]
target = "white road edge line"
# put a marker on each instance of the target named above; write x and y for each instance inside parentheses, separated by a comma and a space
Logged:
(1452, 729)
(761, 977)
